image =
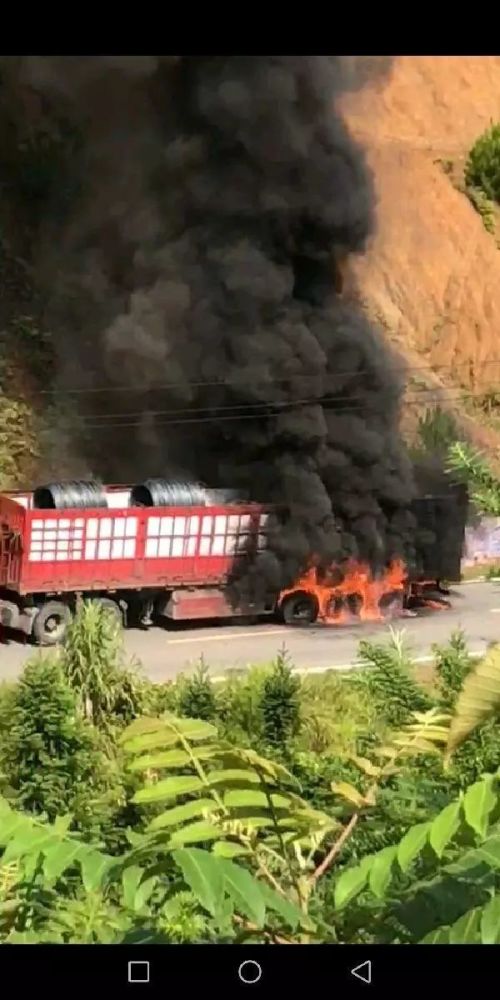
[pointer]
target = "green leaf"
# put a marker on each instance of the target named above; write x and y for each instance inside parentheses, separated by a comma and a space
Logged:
(171, 758)
(366, 766)
(288, 911)
(195, 729)
(146, 733)
(489, 852)
(130, 883)
(412, 844)
(233, 775)
(194, 833)
(352, 881)
(479, 801)
(245, 892)
(249, 797)
(62, 824)
(94, 866)
(144, 891)
(348, 792)
(466, 928)
(444, 827)
(169, 788)
(439, 936)
(380, 871)
(59, 857)
(10, 825)
(151, 741)
(266, 767)
(181, 813)
(228, 849)
(30, 840)
(144, 724)
(490, 922)
(477, 700)
(203, 875)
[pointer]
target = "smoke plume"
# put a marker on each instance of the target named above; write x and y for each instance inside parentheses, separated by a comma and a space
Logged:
(198, 274)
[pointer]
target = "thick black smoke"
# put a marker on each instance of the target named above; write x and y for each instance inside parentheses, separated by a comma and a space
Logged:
(201, 263)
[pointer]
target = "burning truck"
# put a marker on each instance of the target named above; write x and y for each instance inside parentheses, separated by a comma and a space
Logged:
(205, 320)
(174, 551)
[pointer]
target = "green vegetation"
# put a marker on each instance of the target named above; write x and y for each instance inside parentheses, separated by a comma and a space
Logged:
(361, 808)
(483, 165)
(484, 207)
(436, 431)
(482, 176)
(472, 467)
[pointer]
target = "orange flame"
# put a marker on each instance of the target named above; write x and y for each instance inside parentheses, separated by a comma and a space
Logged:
(358, 594)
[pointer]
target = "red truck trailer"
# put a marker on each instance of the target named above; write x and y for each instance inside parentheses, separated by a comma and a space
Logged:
(167, 550)
(174, 560)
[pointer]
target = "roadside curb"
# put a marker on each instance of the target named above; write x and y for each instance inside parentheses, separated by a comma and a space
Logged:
(479, 579)
(342, 668)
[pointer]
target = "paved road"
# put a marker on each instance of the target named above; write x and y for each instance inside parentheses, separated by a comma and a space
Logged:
(165, 653)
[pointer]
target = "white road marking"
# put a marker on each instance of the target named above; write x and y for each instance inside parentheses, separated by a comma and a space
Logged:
(343, 667)
(495, 611)
(225, 636)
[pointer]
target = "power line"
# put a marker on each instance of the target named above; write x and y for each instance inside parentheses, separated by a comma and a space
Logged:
(356, 406)
(430, 394)
(262, 405)
(238, 383)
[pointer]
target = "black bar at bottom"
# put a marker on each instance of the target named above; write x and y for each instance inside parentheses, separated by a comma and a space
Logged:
(251, 971)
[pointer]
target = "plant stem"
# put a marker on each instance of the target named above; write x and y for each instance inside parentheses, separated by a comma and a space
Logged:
(335, 849)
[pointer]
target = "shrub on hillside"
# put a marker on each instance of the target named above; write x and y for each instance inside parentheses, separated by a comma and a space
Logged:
(388, 680)
(452, 666)
(195, 695)
(483, 165)
(51, 758)
(280, 703)
(239, 707)
(436, 431)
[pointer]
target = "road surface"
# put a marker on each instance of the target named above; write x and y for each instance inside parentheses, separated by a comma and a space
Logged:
(164, 653)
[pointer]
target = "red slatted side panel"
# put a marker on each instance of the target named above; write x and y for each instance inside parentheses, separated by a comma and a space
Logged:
(134, 547)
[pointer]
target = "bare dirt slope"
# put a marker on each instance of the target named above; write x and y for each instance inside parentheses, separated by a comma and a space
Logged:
(432, 274)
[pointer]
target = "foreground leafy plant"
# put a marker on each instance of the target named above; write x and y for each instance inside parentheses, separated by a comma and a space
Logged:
(108, 898)
(473, 468)
(450, 860)
(242, 803)
(479, 698)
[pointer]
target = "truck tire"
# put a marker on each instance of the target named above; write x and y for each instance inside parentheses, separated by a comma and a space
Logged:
(112, 607)
(51, 622)
(299, 609)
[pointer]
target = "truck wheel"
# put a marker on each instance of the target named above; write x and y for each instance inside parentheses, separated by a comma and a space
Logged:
(299, 609)
(112, 607)
(51, 622)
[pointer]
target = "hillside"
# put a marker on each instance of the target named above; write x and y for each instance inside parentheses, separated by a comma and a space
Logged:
(431, 276)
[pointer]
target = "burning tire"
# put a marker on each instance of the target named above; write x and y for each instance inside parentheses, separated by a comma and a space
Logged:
(391, 604)
(51, 622)
(299, 609)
